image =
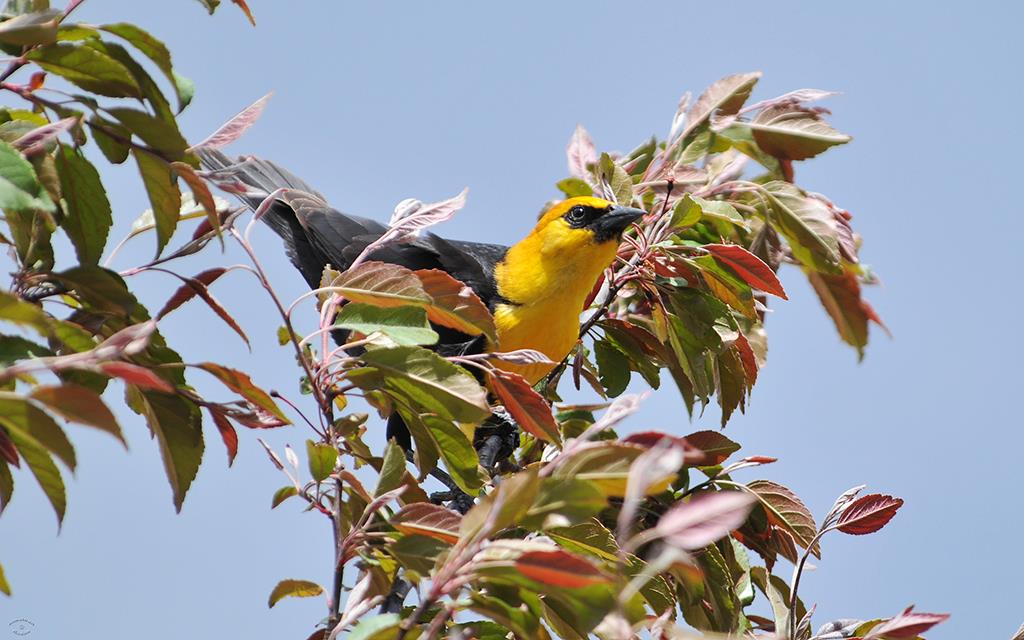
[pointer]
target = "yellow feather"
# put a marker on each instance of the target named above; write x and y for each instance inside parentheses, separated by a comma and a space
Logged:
(547, 277)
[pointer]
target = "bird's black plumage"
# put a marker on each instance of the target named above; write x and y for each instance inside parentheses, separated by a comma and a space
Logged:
(316, 235)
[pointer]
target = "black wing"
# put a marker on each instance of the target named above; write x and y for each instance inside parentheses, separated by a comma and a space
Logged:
(316, 235)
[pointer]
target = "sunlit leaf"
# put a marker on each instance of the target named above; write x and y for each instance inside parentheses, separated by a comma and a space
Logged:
(704, 519)
(88, 218)
(322, 458)
(868, 514)
(786, 510)
(560, 569)
(453, 304)
(405, 325)
(293, 589)
(88, 68)
(236, 126)
(425, 519)
(792, 133)
(242, 384)
(81, 405)
(527, 407)
(29, 29)
(164, 195)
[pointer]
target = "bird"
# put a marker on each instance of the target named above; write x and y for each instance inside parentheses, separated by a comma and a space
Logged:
(535, 289)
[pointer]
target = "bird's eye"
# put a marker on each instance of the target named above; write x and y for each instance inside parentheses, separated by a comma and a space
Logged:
(577, 214)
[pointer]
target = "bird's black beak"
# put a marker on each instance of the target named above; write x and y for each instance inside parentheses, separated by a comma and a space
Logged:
(614, 222)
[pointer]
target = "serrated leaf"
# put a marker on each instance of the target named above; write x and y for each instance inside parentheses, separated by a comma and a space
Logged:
(426, 519)
(88, 218)
(786, 511)
(81, 405)
(560, 569)
(527, 407)
(236, 126)
(426, 379)
(790, 133)
(380, 284)
(724, 97)
(19, 188)
(242, 384)
(177, 425)
(87, 68)
(749, 267)
(715, 448)
(809, 226)
(455, 305)
(868, 514)
(405, 325)
(156, 51)
(164, 195)
(322, 458)
(43, 468)
(294, 589)
(18, 414)
(30, 29)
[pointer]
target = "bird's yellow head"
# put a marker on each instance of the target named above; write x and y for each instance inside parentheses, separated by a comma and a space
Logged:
(583, 227)
(546, 277)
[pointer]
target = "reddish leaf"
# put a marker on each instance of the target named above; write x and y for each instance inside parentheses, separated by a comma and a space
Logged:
(189, 290)
(749, 267)
(748, 359)
(560, 569)
(234, 128)
(241, 384)
(455, 305)
(868, 514)
(906, 625)
(245, 8)
(35, 141)
(412, 216)
(197, 287)
(7, 449)
(647, 439)
(201, 193)
(249, 415)
(527, 407)
(705, 519)
(139, 376)
(428, 519)
(81, 405)
(580, 152)
(841, 297)
(786, 510)
(227, 434)
(715, 447)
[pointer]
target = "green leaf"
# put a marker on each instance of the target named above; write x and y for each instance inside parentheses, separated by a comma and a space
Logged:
(322, 458)
(381, 627)
(4, 587)
(418, 553)
(160, 134)
(617, 179)
(283, 494)
(574, 187)
(88, 218)
(19, 188)
(809, 226)
(425, 380)
(164, 195)
(240, 383)
(294, 589)
(210, 5)
(613, 368)
(42, 467)
(81, 405)
(14, 348)
(177, 425)
(156, 51)
(690, 209)
(14, 309)
(6, 479)
(460, 458)
(18, 414)
(30, 29)
(115, 149)
(392, 469)
(404, 325)
(100, 288)
(87, 68)
(794, 134)
(564, 502)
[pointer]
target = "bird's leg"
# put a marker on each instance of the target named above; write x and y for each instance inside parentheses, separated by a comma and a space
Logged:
(496, 439)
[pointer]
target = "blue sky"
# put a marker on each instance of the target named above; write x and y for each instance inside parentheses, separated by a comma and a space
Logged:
(375, 103)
